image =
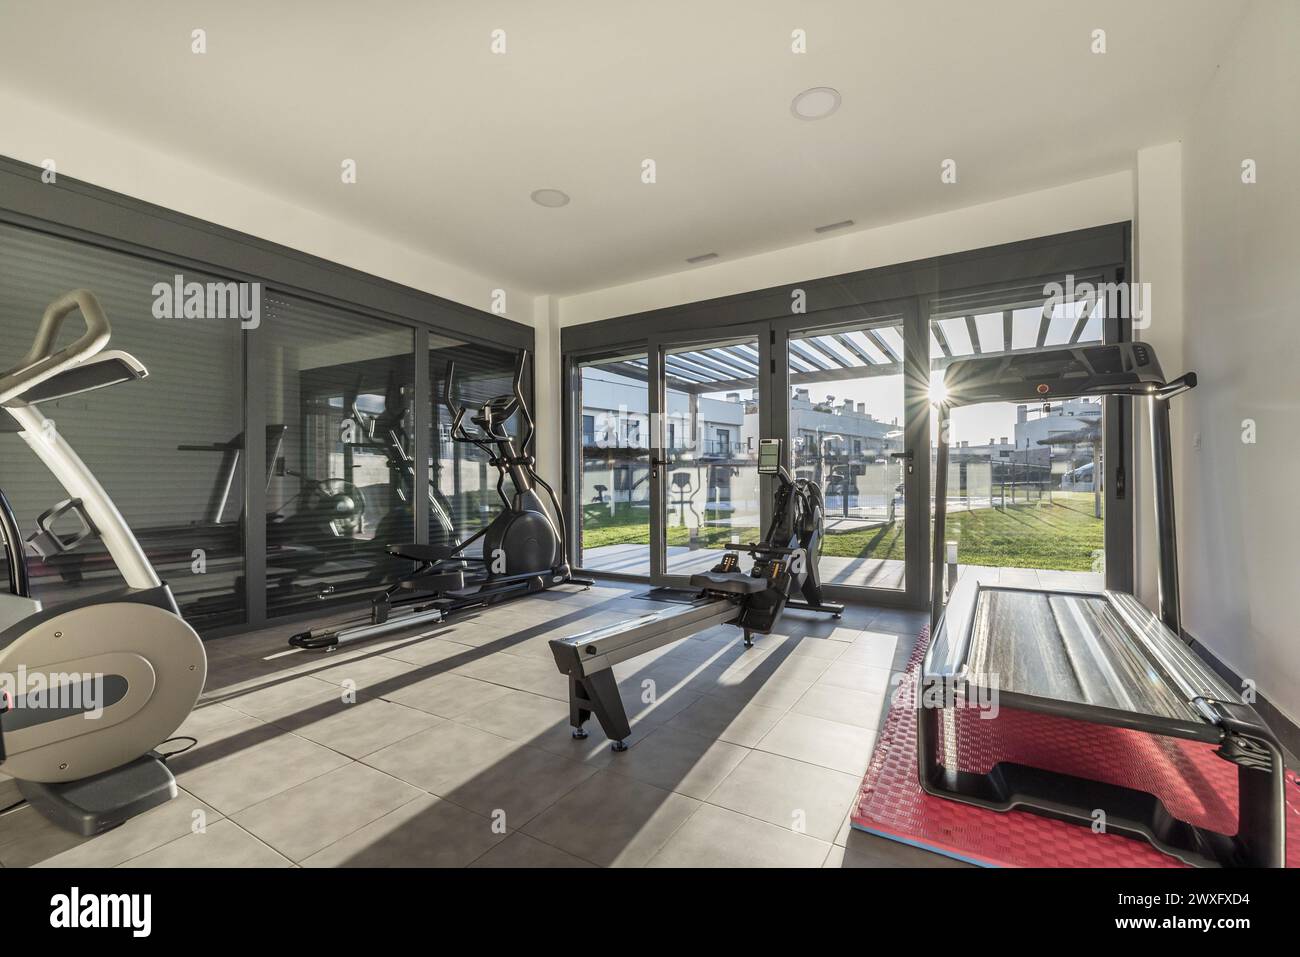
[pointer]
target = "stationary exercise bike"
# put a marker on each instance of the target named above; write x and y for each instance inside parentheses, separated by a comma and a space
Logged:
(94, 684)
(522, 552)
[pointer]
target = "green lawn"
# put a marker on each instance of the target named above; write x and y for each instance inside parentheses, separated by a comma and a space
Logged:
(1063, 535)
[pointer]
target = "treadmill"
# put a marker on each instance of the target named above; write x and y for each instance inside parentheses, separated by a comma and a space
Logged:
(1099, 657)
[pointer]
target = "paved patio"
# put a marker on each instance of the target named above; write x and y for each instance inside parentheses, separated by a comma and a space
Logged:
(862, 572)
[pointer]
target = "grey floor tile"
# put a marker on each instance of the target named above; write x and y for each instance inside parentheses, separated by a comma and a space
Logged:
(223, 844)
(855, 677)
(304, 819)
(679, 761)
(428, 651)
(443, 758)
(717, 837)
(27, 837)
(802, 797)
(265, 765)
(362, 728)
(143, 833)
(205, 718)
(830, 744)
(899, 621)
(648, 711)
(426, 832)
(829, 647)
(781, 666)
(228, 737)
(520, 850)
(524, 674)
(612, 820)
(518, 715)
(723, 720)
(844, 705)
(283, 699)
(363, 673)
(446, 695)
(773, 691)
(475, 710)
(516, 790)
(594, 750)
(872, 648)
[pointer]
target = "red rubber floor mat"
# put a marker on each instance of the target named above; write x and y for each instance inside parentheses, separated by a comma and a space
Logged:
(1194, 783)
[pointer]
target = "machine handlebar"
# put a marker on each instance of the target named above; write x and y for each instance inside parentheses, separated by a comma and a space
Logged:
(42, 362)
(1177, 386)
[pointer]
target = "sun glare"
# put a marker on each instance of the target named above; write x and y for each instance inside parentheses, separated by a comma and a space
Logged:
(938, 391)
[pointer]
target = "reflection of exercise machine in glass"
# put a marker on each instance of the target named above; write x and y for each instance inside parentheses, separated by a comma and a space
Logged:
(320, 510)
(385, 432)
(685, 499)
(785, 563)
(305, 536)
(523, 552)
(1096, 657)
(124, 659)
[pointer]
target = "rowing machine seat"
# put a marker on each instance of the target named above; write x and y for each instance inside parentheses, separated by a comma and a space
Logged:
(733, 583)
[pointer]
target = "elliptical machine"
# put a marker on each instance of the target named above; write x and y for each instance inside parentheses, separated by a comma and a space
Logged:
(523, 552)
(94, 684)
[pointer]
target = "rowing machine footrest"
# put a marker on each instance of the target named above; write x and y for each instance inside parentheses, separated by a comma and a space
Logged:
(732, 583)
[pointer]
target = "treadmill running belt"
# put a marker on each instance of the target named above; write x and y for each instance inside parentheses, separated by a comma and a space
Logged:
(1067, 647)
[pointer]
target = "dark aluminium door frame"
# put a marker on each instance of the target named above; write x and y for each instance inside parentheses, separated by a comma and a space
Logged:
(95, 216)
(916, 290)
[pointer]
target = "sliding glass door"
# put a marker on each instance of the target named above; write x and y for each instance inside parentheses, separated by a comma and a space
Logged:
(835, 388)
(845, 429)
(612, 515)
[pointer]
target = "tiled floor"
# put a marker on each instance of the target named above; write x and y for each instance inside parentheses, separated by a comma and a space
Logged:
(452, 748)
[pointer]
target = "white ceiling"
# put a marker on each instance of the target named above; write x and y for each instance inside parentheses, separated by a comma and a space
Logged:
(450, 139)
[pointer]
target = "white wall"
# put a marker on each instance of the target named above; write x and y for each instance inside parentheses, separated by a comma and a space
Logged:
(33, 133)
(1239, 514)
(1158, 261)
(547, 395)
(1092, 202)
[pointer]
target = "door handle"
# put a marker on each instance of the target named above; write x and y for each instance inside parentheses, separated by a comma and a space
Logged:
(904, 455)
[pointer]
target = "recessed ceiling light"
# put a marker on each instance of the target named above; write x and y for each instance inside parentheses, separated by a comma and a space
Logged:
(814, 104)
(551, 198)
(702, 257)
(829, 226)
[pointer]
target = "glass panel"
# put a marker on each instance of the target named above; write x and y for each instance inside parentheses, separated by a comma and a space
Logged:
(1024, 492)
(615, 484)
(462, 482)
(845, 421)
(712, 498)
(338, 392)
(166, 448)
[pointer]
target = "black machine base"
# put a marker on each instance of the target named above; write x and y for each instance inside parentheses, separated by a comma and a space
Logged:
(1132, 813)
(101, 802)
